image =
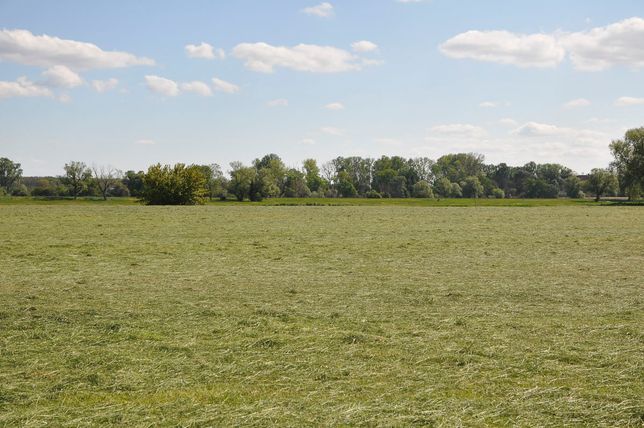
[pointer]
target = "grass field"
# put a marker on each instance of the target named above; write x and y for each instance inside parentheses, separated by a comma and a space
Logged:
(127, 315)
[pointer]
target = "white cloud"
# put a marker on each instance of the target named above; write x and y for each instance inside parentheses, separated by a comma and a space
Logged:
(488, 104)
(61, 76)
(330, 130)
(279, 102)
(22, 47)
(308, 141)
(65, 98)
(162, 86)
(104, 85)
(170, 88)
(509, 122)
(196, 87)
(262, 57)
(459, 130)
(23, 87)
(223, 86)
(604, 47)
(628, 101)
(535, 50)
(323, 10)
(334, 106)
(364, 46)
(204, 51)
(145, 142)
(558, 133)
(597, 49)
(579, 102)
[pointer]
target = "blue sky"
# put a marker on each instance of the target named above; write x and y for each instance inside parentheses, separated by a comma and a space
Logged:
(134, 83)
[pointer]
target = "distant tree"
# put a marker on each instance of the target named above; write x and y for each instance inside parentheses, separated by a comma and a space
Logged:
(540, 188)
(48, 187)
(629, 161)
(105, 178)
(174, 185)
(346, 189)
(498, 193)
(422, 189)
(572, 185)
(77, 177)
(19, 190)
(263, 185)
(456, 191)
(134, 182)
(216, 183)
(601, 182)
(358, 171)
(501, 174)
(472, 188)
(313, 179)
(10, 174)
(443, 187)
(241, 179)
(457, 167)
(272, 171)
(296, 185)
(423, 169)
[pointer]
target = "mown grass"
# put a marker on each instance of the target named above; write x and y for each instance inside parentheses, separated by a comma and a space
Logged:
(259, 315)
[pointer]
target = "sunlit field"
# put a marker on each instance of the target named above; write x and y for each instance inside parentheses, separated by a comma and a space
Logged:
(126, 315)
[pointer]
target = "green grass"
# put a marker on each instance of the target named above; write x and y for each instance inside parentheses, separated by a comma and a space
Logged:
(438, 202)
(376, 315)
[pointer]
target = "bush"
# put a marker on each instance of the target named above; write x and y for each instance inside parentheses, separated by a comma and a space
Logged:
(119, 190)
(455, 191)
(472, 187)
(498, 193)
(20, 190)
(537, 188)
(422, 189)
(373, 194)
(331, 193)
(174, 185)
(3, 192)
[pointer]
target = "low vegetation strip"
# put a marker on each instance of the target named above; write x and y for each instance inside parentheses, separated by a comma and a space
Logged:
(411, 202)
(224, 315)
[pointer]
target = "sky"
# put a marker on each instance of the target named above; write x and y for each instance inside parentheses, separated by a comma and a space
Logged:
(130, 84)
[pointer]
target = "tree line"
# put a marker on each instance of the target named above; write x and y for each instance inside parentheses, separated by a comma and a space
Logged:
(451, 176)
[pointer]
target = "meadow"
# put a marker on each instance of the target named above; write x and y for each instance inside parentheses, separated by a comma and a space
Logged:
(237, 314)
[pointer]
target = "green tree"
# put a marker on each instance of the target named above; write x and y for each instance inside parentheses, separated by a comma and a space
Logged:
(241, 179)
(174, 185)
(422, 189)
(10, 174)
(215, 181)
(601, 182)
(629, 161)
(77, 178)
(295, 185)
(540, 188)
(313, 180)
(572, 185)
(472, 187)
(134, 182)
(457, 167)
(272, 171)
(346, 189)
(443, 187)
